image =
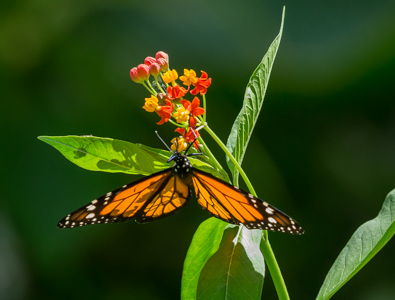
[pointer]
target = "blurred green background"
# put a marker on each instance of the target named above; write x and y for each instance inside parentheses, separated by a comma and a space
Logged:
(322, 151)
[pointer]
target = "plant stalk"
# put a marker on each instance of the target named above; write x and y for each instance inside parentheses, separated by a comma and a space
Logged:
(274, 269)
(266, 248)
(223, 147)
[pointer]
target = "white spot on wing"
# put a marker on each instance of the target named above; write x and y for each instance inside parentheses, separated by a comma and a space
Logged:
(90, 216)
(90, 207)
(269, 210)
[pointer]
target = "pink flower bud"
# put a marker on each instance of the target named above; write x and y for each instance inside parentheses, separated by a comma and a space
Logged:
(154, 69)
(149, 61)
(164, 66)
(163, 55)
(143, 71)
(135, 76)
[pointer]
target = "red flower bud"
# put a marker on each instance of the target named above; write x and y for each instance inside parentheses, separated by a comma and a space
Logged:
(163, 55)
(135, 76)
(154, 69)
(143, 71)
(149, 61)
(164, 66)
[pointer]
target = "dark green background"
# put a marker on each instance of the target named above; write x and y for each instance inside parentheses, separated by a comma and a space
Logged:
(322, 151)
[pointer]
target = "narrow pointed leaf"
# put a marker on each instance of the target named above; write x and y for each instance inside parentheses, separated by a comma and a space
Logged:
(253, 99)
(236, 270)
(364, 244)
(204, 244)
(110, 155)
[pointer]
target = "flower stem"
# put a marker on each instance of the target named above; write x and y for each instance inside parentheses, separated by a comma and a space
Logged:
(158, 85)
(274, 269)
(223, 147)
(206, 150)
(150, 89)
(161, 76)
(149, 84)
(266, 249)
(177, 124)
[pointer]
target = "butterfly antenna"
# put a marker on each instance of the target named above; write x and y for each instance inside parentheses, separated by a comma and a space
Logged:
(189, 146)
(162, 141)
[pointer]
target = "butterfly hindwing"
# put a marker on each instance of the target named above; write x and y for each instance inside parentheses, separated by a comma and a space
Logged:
(121, 204)
(236, 206)
(165, 192)
(174, 195)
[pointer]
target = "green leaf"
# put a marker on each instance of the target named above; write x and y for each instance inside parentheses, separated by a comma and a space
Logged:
(237, 269)
(361, 248)
(253, 99)
(110, 155)
(204, 244)
(206, 160)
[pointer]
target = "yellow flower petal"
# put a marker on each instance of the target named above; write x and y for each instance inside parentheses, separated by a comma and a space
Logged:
(170, 76)
(181, 115)
(189, 77)
(151, 104)
(181, 143)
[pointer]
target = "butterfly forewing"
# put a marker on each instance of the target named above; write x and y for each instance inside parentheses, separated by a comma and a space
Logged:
(236, 206)
(164, 193)
(121, 204)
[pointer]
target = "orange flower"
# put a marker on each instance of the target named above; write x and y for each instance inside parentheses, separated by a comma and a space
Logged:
(165, 111)
(189, 136)
(193, 109)
(175, 92)
(202, 84)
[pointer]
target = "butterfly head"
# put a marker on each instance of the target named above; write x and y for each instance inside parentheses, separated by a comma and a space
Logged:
(181, 160)
(176, 156)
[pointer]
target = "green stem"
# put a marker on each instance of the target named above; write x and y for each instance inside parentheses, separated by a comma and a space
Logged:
(150, 89)
(274, 269)
(158, 85)
(149, 84)
(161, 76)
(223, 147)
(206, 151)
(177, 124)
(266, 249)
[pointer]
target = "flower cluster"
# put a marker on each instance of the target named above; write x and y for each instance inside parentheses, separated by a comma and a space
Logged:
(167, 96)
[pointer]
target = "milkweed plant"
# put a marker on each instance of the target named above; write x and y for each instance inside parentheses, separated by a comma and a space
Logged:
(224, 261)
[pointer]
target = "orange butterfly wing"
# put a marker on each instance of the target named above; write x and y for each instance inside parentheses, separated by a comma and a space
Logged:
(149, 198)
(235, 206)
(174, 195)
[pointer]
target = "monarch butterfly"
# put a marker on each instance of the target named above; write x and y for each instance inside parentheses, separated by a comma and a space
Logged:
(165, 192)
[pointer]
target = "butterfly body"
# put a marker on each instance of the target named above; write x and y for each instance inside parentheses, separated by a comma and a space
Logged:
(165, 192)
(182, 166)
